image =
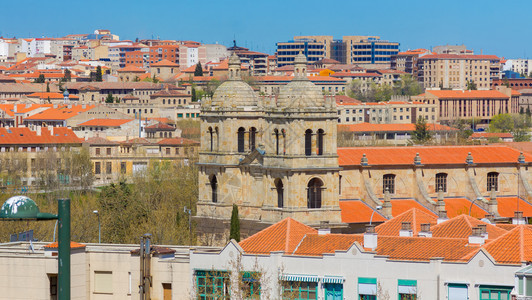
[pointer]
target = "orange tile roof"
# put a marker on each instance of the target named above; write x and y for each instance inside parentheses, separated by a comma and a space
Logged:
(415, 216)
(469, 94)
(370, 127)
(461, 227)
(430, 155)
(131, 68)
(282, 236)
(423, 249)
(400, 206)
(24, 136)
(521, 146)
(459, 206)
(507, 206)
(105, 122)
(21, 108)
(314, 244)
(514, 247)
(357, 211)
(164, 63)
(491, 134)
(46, 95)
(458, 56)
(73, 245)
(60, 113)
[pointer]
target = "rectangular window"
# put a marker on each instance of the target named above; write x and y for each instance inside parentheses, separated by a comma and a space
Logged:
(457, 292)
(167, 151)
(52, 278)
(108, 151)
(108, 167)
(495, 292)
(407, 289)
(97, 151)
(123, 168)
(367, 288)
(212, 285)
(103, 282)
(97, 168)
(300, 290)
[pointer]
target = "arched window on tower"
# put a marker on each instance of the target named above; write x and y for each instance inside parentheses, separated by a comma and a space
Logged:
(321, 133)
(283, 132)
(276, 137)
(279, 188)
(314, 188)
(214, 189)
(308, 142)
(241, 137)
(211, 138)
(492, 181)
(252, 137)
(441, 182)
(217, 138)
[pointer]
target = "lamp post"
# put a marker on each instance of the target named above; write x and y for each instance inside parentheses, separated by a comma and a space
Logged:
(376, 208)
(471, 206)
(99, 227)
(19, 208)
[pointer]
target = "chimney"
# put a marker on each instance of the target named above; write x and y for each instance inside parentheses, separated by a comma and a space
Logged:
(324, 228)
(55, 105)
(38, 130)
(406, 229)
(483, 230)
(442, 216)
(370, 237)
(518, 218)
(490, 218)
(477, 236)
(387, 205)
(15, 108)
(492, 204)
(441, 202)
(425, 230)
(84, 106)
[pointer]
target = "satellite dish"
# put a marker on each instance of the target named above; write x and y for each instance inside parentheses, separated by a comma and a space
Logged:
(485, 220)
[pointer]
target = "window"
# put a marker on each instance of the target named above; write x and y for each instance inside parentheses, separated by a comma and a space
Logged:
(308, 142)
(407, 289)
(103, 282)
(97, 168)
(441, 182)
(314, 188)
(300, 290)
(252, 136)
(276, 134)
(457, 292)
(123, 168)
(279, 188)
(241, 133)
(52, 278)
(495, 292)
(109, 168)
(108, 151)
(367, 288)
(214, 189)
(321, 133)
(492, 181)
(212, 285)
(388, 182)
(97, 151)
(167, 151)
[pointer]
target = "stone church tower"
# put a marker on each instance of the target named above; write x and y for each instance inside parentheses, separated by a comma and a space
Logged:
(274, 157)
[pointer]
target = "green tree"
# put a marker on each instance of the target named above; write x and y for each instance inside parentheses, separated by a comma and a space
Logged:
(211, 86)
(67, 76)
(154, 79)
(40, 79)
(99, 74)
(193, 92)
(502, 123)
(383, 92)
(110, 98)
(528, 112)
(235, 225)
(199, 70)
(471, 85)
(422, 133)
(408, 86)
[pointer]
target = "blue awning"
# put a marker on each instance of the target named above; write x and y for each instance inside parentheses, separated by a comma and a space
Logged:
(302, 278)
(333, 279)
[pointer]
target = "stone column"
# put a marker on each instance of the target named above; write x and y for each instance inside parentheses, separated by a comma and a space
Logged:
(387, 205)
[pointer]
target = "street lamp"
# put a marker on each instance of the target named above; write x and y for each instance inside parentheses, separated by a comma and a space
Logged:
(471, 206)
(99, 227)
(376, 208)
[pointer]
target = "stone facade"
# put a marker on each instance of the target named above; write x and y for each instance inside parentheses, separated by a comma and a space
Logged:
(269, 156)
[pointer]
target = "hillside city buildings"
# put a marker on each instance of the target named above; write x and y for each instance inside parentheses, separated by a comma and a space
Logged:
(337, 198)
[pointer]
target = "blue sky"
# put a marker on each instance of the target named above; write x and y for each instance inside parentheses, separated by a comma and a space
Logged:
(487, 25)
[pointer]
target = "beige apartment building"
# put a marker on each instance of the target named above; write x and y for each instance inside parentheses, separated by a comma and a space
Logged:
(479, 104)
(396, 112)
(452, 71)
